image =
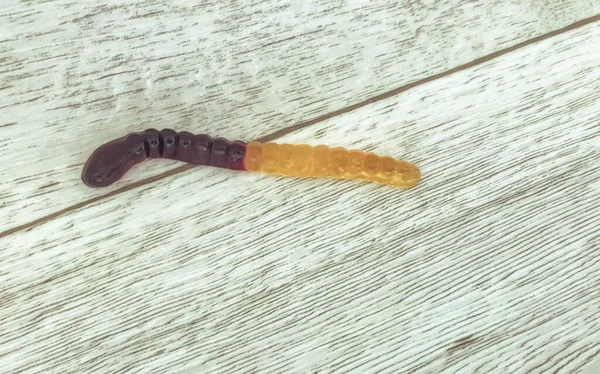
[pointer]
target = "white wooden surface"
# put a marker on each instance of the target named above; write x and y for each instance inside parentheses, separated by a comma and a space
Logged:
(490, 265)
(75, 75)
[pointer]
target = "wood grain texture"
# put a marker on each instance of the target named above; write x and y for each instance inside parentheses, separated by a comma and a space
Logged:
(490, 265)
(74, 75)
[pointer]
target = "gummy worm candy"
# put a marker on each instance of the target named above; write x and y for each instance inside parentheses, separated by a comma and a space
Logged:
(109, 162)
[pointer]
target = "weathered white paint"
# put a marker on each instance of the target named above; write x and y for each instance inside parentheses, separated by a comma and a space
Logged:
(490, 265)
(75, 74)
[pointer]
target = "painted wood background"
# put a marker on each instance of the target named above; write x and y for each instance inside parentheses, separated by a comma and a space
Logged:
(490, 265)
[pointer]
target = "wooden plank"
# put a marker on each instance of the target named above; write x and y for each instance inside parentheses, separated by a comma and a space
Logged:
(491, 265)
(84, 74)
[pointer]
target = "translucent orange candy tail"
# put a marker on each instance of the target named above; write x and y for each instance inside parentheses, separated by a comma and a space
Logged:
(305, 161)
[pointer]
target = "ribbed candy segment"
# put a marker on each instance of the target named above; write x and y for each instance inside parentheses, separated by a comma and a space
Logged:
(322, 161)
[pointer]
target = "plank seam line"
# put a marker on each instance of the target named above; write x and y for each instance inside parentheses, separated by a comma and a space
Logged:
(279, 133)
(419, 82)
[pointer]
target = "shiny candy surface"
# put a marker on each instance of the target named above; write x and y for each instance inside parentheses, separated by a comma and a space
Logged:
(109, 162)
(321, 161)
